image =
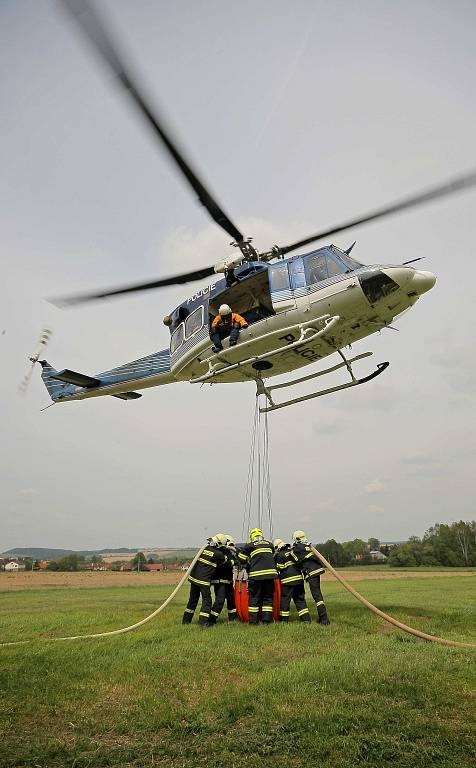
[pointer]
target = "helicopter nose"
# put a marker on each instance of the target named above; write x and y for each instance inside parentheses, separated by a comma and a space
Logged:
(421, 281)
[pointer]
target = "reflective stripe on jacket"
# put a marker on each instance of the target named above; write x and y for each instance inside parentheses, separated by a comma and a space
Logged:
(307, 561)
(206, 564)
(288, 569)
(223, 573)
(259, 560)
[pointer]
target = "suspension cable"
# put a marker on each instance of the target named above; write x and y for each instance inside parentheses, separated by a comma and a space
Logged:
(268, 476)
(251, 468)
(258, 487)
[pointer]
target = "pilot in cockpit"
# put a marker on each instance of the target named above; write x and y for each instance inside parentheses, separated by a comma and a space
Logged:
(226, 323)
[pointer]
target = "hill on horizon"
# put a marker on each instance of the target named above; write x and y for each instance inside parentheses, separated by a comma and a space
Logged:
(45, 553)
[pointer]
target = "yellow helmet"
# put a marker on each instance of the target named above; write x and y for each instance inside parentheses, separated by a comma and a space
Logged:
(220, 539)
(279, 544)
(256, 533)
(299, 536)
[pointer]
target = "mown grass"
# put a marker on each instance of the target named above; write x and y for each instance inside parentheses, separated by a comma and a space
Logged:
(352, 694)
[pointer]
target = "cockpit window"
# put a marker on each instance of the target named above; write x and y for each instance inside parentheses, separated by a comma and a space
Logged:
(349, 262)
(176, 339)
(194, 322)
(334, 265)
(316, 268)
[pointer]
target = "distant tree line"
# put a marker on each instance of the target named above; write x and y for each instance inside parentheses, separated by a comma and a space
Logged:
(449, 545)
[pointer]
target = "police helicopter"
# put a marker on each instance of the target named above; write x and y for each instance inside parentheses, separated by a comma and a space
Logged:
(299, 309)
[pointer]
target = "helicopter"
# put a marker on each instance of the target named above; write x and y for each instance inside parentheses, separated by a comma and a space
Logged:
(299, 309)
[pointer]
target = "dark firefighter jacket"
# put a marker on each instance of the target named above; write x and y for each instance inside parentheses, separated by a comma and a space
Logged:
(219, 323)
(259, 560)
(224, 573)
(204, 568)
(288, 569)
(308, 563)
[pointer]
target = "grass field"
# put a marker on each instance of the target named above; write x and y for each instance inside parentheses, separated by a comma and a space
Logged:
(352, 694)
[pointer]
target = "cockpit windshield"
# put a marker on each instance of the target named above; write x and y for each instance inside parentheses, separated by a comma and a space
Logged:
(349, 262)
(326, 263)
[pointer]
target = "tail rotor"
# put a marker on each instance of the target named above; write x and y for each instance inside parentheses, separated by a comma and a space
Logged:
(43, 341)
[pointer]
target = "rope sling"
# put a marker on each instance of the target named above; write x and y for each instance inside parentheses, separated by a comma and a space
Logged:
(258, 486)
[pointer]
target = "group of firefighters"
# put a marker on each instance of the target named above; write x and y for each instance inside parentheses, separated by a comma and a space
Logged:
(263, 562)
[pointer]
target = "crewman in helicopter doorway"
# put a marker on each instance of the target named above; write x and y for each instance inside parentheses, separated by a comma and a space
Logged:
(292, 583)
(226, 323)
(312, 569)
(258, 556)
(222, 583)
(213, 555)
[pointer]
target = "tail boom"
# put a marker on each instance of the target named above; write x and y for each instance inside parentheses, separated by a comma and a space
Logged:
(150, 371)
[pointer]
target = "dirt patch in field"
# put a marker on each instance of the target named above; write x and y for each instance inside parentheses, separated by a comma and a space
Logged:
(40, 579)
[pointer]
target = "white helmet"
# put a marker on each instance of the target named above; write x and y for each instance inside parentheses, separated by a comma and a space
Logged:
(224, 310)
(299, 536)
(220, 539)
(230, 541)
(279, 544)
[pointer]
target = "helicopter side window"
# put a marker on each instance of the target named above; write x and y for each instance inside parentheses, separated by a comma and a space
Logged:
(279, 277)
(194, 322)
(296, 269)
(176, 339)
(316, 268)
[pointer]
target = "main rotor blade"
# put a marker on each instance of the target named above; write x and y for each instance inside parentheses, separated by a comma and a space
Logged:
(449, 188)
(94, 29)
(186, 277)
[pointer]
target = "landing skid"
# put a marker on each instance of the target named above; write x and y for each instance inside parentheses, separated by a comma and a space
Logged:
(261, 389)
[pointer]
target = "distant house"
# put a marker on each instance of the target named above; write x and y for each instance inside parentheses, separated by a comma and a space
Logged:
(377, 556)
(14, 566)
(154, 567)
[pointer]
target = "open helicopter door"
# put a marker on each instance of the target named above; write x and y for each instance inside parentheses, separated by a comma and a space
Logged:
(249, 296)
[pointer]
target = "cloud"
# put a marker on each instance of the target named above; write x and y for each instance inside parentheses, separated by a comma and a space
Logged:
(25, 494)
(376, 509)
(424, 465)
(375, 486)
(330, 425)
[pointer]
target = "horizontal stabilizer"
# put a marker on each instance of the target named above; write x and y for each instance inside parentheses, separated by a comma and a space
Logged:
(79, 379)
(128, 395)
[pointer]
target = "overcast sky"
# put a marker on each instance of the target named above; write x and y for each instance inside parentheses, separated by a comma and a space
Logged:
(299, 115)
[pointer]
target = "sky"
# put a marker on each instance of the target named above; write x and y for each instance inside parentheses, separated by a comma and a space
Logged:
(299, 115)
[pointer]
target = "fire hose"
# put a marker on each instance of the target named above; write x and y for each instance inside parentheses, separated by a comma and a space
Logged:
(123, 630)
(383, 615)
(322, 559)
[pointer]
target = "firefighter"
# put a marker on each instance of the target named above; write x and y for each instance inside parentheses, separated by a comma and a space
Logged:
(312, 569)
(258, 556)
(222, 583)
(226, 323)
(292, 583)
(200, 578)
